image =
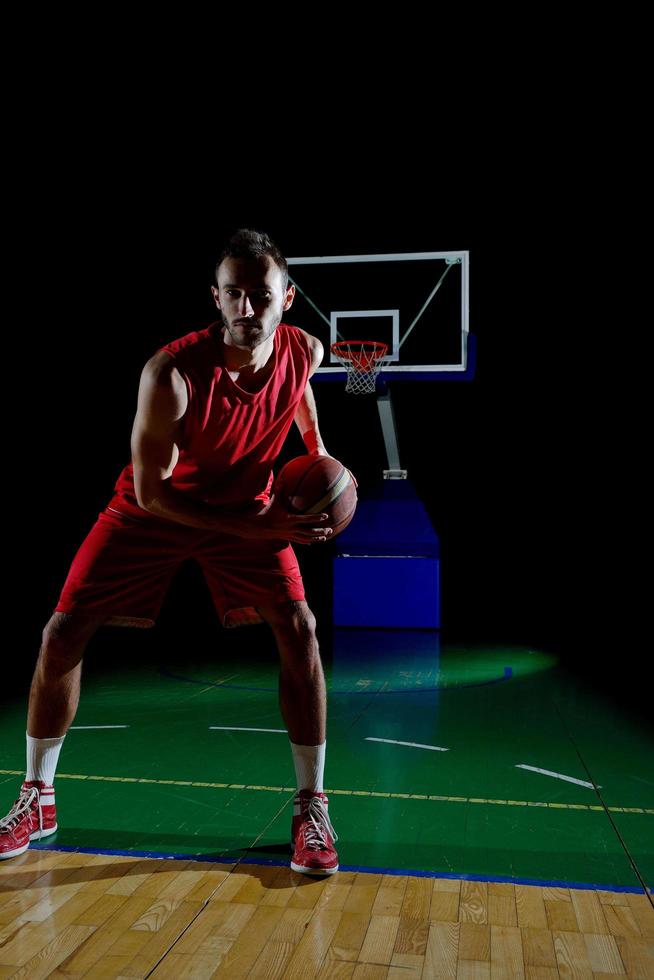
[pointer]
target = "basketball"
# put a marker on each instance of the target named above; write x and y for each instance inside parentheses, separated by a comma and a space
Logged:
(318, 485)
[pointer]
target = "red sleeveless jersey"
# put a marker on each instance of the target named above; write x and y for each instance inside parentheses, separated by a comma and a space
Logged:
(231, 437)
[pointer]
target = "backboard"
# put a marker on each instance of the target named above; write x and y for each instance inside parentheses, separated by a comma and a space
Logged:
(415, 302)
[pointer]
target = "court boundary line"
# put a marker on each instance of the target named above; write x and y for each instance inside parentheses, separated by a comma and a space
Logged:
(357, 868)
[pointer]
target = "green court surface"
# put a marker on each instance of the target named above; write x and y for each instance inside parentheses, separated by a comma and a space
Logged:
(454, 799)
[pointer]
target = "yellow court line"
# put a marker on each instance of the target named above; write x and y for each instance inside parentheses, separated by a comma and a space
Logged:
(218, 683)
(342, 792)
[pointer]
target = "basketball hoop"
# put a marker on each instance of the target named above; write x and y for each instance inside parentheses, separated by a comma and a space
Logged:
(363, 360)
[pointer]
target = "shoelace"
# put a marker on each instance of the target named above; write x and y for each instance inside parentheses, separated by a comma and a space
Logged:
(318, 822)
(21, 807)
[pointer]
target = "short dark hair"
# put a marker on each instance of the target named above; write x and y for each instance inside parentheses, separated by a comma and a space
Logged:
(249, 244)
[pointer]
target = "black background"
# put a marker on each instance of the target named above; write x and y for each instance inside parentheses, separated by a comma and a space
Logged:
(525, 471)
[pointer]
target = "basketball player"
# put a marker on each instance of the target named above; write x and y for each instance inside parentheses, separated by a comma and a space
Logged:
(214, 408)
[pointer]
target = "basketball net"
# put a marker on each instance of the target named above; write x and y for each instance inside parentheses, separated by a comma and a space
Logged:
(363, 360)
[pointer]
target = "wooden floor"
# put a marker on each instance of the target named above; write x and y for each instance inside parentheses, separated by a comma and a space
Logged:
(75, 915)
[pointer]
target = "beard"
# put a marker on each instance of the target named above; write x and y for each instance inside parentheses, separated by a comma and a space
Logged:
(251, 333)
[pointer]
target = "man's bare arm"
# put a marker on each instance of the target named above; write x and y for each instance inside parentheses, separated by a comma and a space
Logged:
(306, 416)
(162, 402)
(156, 434)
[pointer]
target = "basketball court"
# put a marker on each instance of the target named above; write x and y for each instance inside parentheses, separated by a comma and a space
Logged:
(495, 816)
(486, 807)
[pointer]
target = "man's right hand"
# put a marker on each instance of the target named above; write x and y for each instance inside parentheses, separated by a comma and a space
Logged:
(274, 521)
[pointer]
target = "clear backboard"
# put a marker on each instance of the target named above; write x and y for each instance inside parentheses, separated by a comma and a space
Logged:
(415, 302)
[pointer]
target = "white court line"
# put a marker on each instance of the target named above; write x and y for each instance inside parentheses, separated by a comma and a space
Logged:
(227, 728)
(414, 745)
(557, 775)
(85, 727)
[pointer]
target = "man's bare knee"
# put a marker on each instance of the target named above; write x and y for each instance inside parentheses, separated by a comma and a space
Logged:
(292, 618)
(65, 633)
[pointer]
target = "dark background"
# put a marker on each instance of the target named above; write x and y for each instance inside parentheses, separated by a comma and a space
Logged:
(522, 470)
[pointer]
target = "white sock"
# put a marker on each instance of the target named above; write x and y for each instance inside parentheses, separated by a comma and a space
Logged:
(309, 761)
(42, 758)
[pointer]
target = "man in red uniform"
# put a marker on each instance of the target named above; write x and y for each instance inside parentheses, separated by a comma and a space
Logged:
(214, 408)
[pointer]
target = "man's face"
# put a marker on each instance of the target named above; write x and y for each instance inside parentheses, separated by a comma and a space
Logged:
(251, 299)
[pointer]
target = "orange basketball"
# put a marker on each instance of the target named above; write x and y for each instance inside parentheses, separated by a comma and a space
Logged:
(318, 485)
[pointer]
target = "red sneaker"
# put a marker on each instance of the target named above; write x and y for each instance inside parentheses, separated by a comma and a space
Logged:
(32, 817)
(313, 835)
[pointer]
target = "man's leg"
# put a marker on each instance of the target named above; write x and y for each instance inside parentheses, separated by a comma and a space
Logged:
(121, 570)
(54, 694)
(302, 693)
(303, 703)
(54, 697)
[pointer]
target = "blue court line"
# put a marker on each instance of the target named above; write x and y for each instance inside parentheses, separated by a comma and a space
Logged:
(275, 863)
(507, 675)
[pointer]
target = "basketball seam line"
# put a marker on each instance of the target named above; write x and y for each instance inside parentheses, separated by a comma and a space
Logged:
(332, 494)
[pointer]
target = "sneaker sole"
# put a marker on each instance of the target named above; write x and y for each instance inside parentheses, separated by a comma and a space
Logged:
(37, 835)
(11, 854)
(312, 871)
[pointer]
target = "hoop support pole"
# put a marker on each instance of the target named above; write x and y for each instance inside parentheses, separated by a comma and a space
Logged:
(389, 432)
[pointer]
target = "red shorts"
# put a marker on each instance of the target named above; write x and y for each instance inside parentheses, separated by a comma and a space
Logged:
(125, 565)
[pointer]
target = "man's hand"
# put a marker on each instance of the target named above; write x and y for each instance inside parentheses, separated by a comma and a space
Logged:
(274, 521)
